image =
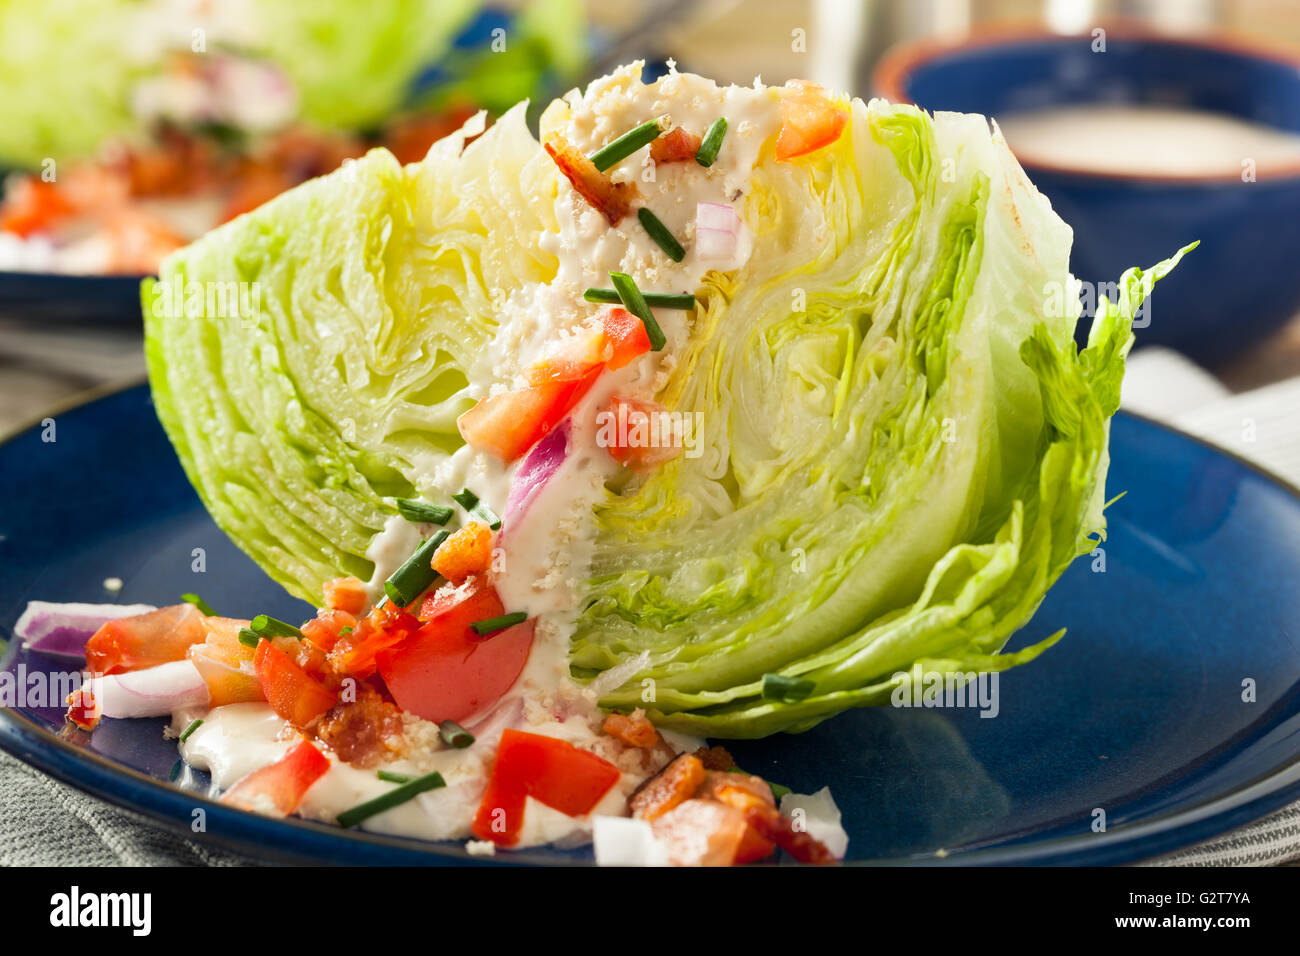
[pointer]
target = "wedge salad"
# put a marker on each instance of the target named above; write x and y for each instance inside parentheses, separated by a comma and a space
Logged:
(710, 413)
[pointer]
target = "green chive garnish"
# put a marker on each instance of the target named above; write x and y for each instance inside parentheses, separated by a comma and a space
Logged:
(410, 580)
(199, 603)
(422, 512)
(176, 771)
(635, 303)
(391, 777)
(712, 142)
(454, 735)
(627, 144)
(393, 798)
(786, 689)
(266, 626)
(194, 725)
(660, 234)
(477, 509)
(345, 631)
(493, 624)
(657, 300)
(248, 638)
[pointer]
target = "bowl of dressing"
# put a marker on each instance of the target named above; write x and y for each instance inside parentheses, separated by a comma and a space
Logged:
(1145, 142)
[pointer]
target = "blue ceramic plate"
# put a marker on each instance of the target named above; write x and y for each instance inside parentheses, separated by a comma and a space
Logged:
(1139, 712)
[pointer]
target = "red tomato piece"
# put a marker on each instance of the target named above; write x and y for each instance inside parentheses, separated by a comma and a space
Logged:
(509, 424)
(551, 771)
(145, 640)
(447, 672)
(626, 334)
(638, 434)
(810, 120)
(33, 206)
(573, 359)
(277, 790)
(292, 693)
(385, 627)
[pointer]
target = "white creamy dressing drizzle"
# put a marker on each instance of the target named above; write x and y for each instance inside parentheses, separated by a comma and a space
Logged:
(545, 555)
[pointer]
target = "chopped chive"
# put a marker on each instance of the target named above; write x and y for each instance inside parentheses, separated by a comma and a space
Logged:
(176, 771)
(454, 735)
(660, 234)
(266, 626)
(477, 509)
(712, 142)
(391, 777)
(248, 638)
(194, 725)
(345, 631)
(627, 144)
(786, 689)
(422, 512)
(395, 797)
(493, 624)
(635, 303)
(659, 300)
(409, 581)
(199, 603)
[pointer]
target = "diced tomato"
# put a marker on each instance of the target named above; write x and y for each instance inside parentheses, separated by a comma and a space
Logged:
(742, 791)
(509, 424)
(345, 594)
(385, 627)
(701, 833)
(768, 823)
(278, 789)
(810, 120)
(447, 672)
(632, 729)
(83, 709)
(573, 359)
(292, 693)
(324, 630)
(626, 334)
(468, 551)
(145, 640)
(613, 200)
(225, 664)
(552, 771)
(639, 434)
(672, 786)
(31, 206)
(675, 146)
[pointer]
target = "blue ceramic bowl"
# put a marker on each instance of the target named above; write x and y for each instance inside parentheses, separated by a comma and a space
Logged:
(1243, 281)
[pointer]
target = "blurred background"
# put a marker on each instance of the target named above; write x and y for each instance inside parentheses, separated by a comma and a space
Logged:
(128, 127)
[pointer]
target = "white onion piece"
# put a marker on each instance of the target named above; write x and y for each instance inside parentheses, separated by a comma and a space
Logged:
(820, 817)
(624, 841)
(152, 692)
(715, 244)
(489, 728)
(63, 629)
(716, 215)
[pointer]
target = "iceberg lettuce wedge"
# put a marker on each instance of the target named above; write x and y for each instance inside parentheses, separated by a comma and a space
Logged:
(900, 447)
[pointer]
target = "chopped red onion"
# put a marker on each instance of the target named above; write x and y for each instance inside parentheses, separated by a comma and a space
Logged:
(152, 692)
(62, 630)
(717, 230)
(536, 470)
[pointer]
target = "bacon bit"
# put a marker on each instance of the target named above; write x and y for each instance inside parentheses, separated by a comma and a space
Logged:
(345, 594)
(83, 709)
(715, 758)
(768, 823)
(740, 790)
(386, 626)
(672, 786)
(701, 833)
(613, 200)
(468, 551)
(633, 729)
(360, 731)
(675, 146)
